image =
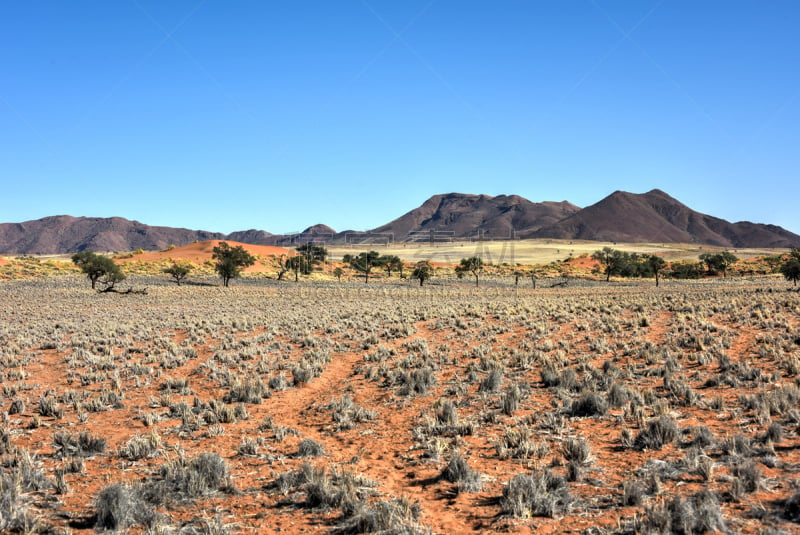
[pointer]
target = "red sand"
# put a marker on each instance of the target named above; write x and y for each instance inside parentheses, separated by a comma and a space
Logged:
(201, 251)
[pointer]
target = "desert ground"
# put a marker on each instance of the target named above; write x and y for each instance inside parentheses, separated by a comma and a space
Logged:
(526, 252)
(342, 407)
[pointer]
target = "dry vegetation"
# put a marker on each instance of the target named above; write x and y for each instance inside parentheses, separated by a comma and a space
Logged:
(349, 408)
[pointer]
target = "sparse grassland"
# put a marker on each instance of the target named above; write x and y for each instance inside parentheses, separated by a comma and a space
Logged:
(388, 407)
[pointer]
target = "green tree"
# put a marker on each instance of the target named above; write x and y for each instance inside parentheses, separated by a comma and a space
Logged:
(313, 255)
(423, 271)
(719, 262)
(656, 265)
(178, 271)
(298, 264)
(363, 262)
(338, 272)
(230, 261)
(392, 263)
(791, 267)
(473, 264)
(613, 261)
(98, 268)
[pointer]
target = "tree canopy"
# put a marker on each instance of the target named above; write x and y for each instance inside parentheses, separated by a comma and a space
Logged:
(231, 261)
(791, 267)
(719, 262)
(363, 262)
(473, 264)
(423, 271)
(98, 268)
(178, 271)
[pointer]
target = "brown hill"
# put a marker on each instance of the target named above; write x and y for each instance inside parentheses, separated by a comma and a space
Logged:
(656, 217)
(67, 234)
(314, 233)
(461, 216)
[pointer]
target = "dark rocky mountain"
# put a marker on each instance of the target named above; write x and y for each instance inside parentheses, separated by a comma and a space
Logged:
(67, 234)
(462, 216)
(621, 217)
(656, 217)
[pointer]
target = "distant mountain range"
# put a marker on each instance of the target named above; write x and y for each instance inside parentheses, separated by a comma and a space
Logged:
(621, 217)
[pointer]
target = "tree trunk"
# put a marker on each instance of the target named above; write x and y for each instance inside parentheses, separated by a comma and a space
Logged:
(421, 280)
(476, 279)
(366, 277)
(656, 279)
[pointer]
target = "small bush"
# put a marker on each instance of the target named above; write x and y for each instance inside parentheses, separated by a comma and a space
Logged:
(536, 494)
(310, 448)
(492, 382)
(457, 471)
(659, 432)
(201, 476)
(398, 516)
(120, 506)
(82, 445)
(142, 447)
(589, 404)
(698, 514)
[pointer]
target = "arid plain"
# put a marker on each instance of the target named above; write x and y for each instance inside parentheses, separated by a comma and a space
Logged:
(327, 406)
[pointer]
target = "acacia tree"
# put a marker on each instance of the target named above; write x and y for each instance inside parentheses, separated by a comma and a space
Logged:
(656, 264)
(178, 271)
(791, 268)
(298, 264)
(98, 268)
(363, 262)
(611, 259)
(473, 264)
(392, 263)
(338, 272)
(719, 262)
(312, 256)
(423, 271)
(231, 261)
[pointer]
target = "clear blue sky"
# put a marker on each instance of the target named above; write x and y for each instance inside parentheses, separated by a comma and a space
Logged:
(279, 114)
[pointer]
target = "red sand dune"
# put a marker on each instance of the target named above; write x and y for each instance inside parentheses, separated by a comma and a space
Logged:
(199, 252)
(3, 261)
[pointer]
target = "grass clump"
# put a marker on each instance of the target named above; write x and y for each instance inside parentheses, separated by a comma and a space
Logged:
(540, 493)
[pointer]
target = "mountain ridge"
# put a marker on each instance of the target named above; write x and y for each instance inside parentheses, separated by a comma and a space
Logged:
(622, 216)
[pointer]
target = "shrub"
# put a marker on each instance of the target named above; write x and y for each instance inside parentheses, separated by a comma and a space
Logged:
(589, 404)
(791, 507)
(247, 392)
(698, 514)
(492, 382)
(659, 432)
(120, 506)
(457, 471)
(536, 494)
(632, 492)
(511, 399)
(81, 445)
(310, 448)
(141, 447)
(201, 476)
(397, 516)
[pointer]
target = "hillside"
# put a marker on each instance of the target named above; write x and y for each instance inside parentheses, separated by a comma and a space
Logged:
(656, 217)
(67, 234)
(463, 216)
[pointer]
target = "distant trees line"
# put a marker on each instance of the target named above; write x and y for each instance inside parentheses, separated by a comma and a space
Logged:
(230, 262)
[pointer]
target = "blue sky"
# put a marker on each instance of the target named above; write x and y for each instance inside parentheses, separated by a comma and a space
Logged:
(279, 114)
